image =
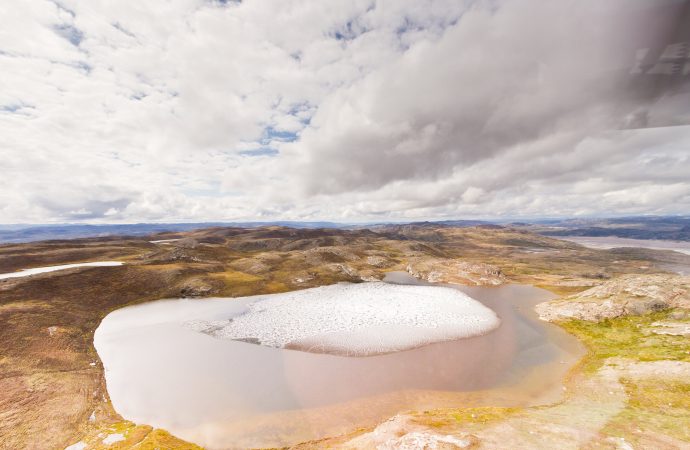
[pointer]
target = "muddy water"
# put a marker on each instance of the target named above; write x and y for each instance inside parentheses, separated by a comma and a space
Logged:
(229, 394)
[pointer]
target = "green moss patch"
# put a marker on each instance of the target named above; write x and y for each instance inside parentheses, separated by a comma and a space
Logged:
(627, 337)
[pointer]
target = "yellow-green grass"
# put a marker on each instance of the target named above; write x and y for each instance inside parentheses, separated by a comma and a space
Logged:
(140, 437)
(654, 405)
(465, 417)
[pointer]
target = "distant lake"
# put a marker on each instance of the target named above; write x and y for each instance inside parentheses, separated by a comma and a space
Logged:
(605, 242)
(223, 393)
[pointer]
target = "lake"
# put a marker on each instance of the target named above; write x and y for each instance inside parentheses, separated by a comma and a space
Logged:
(606, 242)
(222, 393)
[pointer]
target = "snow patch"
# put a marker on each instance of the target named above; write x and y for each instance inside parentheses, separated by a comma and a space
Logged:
(113, 438)
(164, 241)
(37, 270)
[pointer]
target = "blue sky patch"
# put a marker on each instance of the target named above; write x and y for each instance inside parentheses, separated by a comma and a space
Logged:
(263, 151)
(73, 34)
(11, 108)
(271, 134)
(16, 108)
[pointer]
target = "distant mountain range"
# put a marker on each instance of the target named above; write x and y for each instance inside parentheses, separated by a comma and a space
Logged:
(647, 227)
(30, 233)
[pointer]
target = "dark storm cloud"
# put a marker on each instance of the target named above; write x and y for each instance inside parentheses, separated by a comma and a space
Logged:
(516, 76)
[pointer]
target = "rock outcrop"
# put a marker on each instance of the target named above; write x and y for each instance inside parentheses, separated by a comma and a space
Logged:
(445, 270)
(401, 433)
(199, 287)
(626, 295)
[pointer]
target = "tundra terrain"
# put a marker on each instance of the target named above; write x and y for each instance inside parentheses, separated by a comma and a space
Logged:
(624, 304)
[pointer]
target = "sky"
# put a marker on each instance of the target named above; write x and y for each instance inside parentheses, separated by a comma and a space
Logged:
(342, 110)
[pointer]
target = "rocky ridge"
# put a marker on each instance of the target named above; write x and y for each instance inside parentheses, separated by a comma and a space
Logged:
(625, 295)
(446, 270)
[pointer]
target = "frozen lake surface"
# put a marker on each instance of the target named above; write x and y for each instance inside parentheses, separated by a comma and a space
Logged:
(37, 270)
(354, 319)
(225, 393)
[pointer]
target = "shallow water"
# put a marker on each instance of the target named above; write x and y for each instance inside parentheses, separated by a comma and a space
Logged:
(37, 270)
(680, 269)
(228, 394)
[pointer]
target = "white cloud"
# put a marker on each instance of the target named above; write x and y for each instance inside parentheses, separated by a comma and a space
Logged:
(344, 110)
